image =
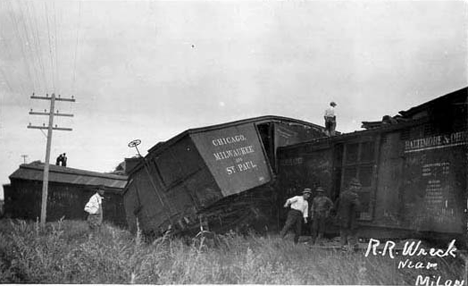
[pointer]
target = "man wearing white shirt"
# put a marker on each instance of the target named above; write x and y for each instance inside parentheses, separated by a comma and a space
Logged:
(299, 210)
(94, 208)
(330, 119)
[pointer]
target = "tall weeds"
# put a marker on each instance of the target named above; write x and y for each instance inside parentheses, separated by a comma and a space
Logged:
(64, 253)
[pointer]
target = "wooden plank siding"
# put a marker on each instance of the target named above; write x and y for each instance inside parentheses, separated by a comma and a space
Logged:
(413, 172)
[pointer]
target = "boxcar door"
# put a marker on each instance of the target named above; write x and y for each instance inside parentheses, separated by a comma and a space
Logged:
(359, 161)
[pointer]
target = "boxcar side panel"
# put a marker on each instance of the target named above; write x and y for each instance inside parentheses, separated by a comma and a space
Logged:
(202, 188)
(235, 157)
(189, 186)
(154, 210)
(291, 172)
(183, 206)
(132, 206)
(174, 187)
(177, 162)
(288, 134)
(64, 201)
(390, 172)
(188, 166)
(308, 166)
(318, 170)
(22, 200)
(435, 182)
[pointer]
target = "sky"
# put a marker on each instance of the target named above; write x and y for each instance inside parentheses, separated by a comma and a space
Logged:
(149, 70)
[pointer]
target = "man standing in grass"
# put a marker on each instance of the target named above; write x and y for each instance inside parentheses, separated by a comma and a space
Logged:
(319, 212)
(348, 207)
(94, 209)
(299, 209)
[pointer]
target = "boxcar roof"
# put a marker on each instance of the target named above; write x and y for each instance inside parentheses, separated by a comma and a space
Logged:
(159, 147)
(162, 146)
(458, 95)
(346, 136)
(34, 172)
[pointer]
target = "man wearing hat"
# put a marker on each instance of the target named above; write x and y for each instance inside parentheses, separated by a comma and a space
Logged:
(348, 207)
(330, 119)
(299, 210)
(94, 209)
(319, 212)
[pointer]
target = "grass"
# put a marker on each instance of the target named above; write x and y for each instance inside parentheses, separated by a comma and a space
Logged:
(63, 253)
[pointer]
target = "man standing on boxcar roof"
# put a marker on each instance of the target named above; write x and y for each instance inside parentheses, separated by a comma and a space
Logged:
(64, 159)
(319, 212)
(348, 207)
(58, 161)
(299, 210)
(330, 119)
(94, 209)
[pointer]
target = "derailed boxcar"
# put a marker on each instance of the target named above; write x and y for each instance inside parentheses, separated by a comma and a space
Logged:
(69, 191)
(412, 167)
(220, 175)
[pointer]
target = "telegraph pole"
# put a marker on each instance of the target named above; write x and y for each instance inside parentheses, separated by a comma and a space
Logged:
(50, 128)
(24, 158)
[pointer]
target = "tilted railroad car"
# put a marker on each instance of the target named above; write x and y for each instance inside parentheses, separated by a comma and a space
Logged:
(219, 175)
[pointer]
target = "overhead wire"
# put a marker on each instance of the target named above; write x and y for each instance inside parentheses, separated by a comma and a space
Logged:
(43, 133)
(23, 42)
(32, 36)
(37, 42)
(12, 20)
(77, 41)
(7, 48)
(35, 57)
(29, 44)
(20, 41)
(50, 46)
(76, 47)
(29, 13)
(8, 62)
(29, 53)
(57, 80)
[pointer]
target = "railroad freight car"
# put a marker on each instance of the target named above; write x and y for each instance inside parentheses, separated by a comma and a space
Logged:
(69, 191)
(217, 176)
(412, 167)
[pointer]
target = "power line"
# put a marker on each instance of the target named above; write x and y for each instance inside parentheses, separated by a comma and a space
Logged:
(50, 46)
(35, 37)
(56, 48)
(7, 48)
(39, 45)
(27, 33)
(15, 24)
(29, 53)
(76, 46)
